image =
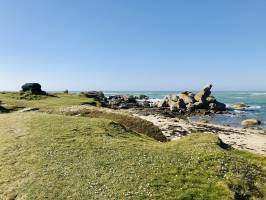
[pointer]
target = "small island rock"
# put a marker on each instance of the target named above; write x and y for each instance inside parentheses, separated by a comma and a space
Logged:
(250, 122)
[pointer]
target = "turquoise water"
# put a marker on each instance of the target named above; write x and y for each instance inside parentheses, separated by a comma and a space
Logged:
(256, 101)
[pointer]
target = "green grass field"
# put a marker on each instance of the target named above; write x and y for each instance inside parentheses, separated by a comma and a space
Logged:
(54, 156)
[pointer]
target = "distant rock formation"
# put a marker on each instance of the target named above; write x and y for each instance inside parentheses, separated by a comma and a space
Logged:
(184, 102)
(97, 95)
(34, 88)
(127, 101)
(189, 102)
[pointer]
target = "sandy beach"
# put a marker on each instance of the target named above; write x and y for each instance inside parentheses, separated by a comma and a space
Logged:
(240, 138)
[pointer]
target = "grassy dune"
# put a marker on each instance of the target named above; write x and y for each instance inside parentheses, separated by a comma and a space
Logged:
(53, 156)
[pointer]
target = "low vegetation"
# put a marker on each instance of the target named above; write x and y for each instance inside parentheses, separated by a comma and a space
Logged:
(95, 156)
(44, 102)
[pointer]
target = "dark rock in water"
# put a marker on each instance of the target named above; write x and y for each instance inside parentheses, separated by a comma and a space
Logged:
(34, 88)
(66, 92)
(142, 96)
(211, 99)
(217, 106)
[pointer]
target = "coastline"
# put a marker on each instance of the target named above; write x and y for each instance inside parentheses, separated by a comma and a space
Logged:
(240, 138)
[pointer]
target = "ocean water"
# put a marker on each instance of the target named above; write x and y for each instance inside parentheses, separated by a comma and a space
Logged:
(256, 101)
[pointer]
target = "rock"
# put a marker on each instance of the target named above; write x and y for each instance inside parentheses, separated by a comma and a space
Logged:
(211, 99)
(202, 95)
(66, 92)
(181, 104)
(217, 106)
(125, 102)
(127, 105)
(190, 107)
(173, 98)
(97, 95)
(2, 109)
(130, 99)
(34, 88)
(164, 103)
(250, 122)
(177, 105)
(239, 106)
(174, 106)
(198, 105)
(145, 104)
(142, 96)
(188, 97)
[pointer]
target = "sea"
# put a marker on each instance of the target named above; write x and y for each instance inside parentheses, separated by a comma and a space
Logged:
(255, 100)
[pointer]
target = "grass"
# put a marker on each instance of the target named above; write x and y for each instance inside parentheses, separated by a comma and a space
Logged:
(133, 123)
(45, 103)
(53, 156)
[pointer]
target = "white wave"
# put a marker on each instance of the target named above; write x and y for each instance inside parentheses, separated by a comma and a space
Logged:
(237, 97)
(254, 107)
(239, 111)
(248, 108)
(155, 100)
(258, 94)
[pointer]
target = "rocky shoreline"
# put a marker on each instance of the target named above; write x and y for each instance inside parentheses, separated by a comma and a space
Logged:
(240, 138)
(172, 115)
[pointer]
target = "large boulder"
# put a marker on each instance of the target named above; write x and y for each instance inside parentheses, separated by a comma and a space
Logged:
(211, 99)
(97, 95)
(124, 102)
(198, 105)
(189, 102)
(202, 95)
(177, 105)
(130, 99)
(143, 97)
(188, 97)
(164, 103)
(34, 88)
(250, 122)
(217, 106)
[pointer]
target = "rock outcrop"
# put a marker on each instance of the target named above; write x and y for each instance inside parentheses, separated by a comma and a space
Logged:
(189, 102)
(33, 88)
(127, 101)
(97, 95)
(184, 102)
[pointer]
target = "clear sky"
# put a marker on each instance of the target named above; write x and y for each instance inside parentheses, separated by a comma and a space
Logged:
(133, 44)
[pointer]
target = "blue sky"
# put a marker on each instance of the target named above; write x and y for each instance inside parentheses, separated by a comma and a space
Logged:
(133, 44)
